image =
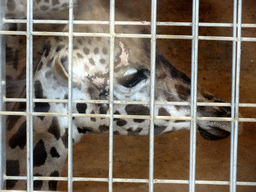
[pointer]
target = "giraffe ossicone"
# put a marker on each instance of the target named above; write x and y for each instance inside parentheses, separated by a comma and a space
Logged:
(91, 58)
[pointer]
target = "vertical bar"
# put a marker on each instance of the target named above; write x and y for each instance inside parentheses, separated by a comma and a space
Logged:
(111, 88)
(70, 98)
(237, 21)
(194, 63)
(152, 93)
(29, 93)
(2, 104)
(233, 98)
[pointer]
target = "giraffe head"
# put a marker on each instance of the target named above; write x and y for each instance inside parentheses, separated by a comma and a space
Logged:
(131, 83)
(91, 69)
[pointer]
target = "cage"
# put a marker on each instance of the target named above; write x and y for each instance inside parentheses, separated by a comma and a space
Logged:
(210, 40)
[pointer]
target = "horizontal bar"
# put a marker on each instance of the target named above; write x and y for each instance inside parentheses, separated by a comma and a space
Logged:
(248, 38)
(24, 191)
(128, 180)
(55, 100)
(121, 35)
(89, 22)
(219, 38)
(64, 34)
(251, 120)
(13, 33)
(130, 102)
(246, 183)
(13, 113)
(74, 115)
(126, 35)
(174, 37)
(247, 104)
(126, 116)
(203, 182)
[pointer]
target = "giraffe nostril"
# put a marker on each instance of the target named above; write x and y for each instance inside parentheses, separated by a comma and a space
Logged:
(213, 134)
(223, 112)
(228, 109)
(104, 92)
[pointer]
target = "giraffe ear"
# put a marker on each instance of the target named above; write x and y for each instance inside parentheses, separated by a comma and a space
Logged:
(60, 69)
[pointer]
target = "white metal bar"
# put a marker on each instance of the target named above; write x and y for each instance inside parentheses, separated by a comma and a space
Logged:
(128, 180)
(233, 99)
(82, 22)
(120, 35)
(252, 39)
(130, 102)
(126, 116)
(111, 89)
(2, 104)
(152, 92)
(130, 116)
(194, 68)
(70, 98)
(29, 93)
(13, 33)
(235, 94)
(21, 191)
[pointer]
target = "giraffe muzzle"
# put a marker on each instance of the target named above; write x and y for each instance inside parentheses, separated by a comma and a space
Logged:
(213, 133)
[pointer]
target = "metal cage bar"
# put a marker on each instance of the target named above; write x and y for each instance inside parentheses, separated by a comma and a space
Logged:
(194, 70)
(237, 18)
(70, 97)
(152, 93)
(186, 24)
(2, 104)
(111, 89)
(29, 94)
(213, 38)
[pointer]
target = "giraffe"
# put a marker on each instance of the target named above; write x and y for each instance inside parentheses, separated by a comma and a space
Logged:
(91, 70)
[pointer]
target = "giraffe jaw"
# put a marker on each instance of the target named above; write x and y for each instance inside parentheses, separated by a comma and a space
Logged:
(213, 134)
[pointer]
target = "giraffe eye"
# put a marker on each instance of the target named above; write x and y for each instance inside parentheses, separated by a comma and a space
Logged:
(132, 80)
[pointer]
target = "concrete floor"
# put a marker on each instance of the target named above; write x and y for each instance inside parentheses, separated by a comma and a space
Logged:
(172, 150)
